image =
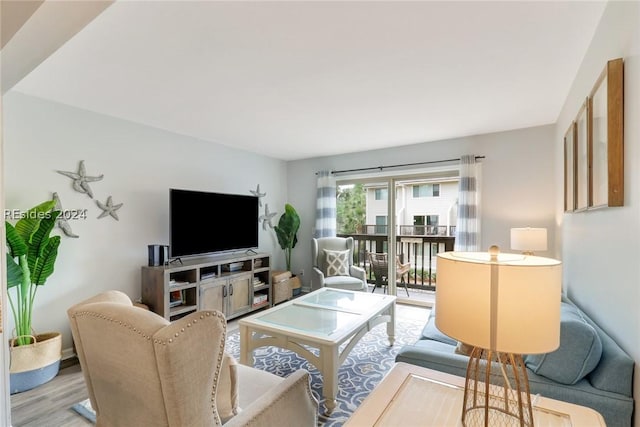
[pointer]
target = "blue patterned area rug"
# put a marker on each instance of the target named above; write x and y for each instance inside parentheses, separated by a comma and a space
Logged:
(362, 370)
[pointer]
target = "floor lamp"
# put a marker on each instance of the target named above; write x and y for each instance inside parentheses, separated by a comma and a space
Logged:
(504, 306)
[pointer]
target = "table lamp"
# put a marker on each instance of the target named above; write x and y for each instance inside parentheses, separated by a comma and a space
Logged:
(528, 240)
(503, 306)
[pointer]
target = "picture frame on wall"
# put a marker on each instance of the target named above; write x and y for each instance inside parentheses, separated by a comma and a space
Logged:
(606, 140)
(582, 158)
(570, 168)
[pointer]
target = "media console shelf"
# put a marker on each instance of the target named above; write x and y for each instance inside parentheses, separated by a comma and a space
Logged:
(232, 284)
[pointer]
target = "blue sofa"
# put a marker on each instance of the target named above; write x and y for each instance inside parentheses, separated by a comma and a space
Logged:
(588, 368)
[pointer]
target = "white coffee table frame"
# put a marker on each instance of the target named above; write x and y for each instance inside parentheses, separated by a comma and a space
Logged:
(358, 313)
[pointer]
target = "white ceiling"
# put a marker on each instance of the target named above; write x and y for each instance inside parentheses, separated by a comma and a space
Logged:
(296, 79)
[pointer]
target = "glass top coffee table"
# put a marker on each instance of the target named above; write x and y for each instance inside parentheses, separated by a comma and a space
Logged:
(323, 320)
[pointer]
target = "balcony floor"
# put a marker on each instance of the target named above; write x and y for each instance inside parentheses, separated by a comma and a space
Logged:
(416, 296)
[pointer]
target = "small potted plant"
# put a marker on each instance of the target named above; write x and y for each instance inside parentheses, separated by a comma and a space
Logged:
(31, 256)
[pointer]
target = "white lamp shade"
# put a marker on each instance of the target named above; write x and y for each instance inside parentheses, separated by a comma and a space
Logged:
(511, 305)
(529, 239)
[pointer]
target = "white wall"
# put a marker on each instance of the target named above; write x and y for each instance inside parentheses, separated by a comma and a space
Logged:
(139, 164)
(518, 183)
(601, 249)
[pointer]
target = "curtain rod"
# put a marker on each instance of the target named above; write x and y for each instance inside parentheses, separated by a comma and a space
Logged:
(399, 166)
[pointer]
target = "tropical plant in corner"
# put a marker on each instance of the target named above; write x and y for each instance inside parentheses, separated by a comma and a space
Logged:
(287, 230)
(31, 255)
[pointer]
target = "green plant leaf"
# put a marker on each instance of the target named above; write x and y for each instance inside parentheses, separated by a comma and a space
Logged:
(14, 273)
(40, 239)
(287, 228)
(44, 266)
(31, 255)
(16, 246)
(28, 224)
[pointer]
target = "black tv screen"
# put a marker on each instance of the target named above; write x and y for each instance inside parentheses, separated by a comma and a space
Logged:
(204, 223)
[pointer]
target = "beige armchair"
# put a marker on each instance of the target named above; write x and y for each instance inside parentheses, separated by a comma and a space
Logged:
(142, 370)
(333, 265)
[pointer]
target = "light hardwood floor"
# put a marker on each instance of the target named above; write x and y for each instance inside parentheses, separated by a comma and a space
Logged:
(50, 404)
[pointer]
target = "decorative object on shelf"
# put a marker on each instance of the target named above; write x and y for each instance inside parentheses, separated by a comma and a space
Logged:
(504, 305)
(287, 230)
(81, 180)
(109, 208)
(62, 222)
(31, 256)
(258, 194)
(529, 239)
(606, 137)
(267, 217)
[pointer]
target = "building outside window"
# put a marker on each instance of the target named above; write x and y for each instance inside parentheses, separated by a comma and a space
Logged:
(381, 194)
(426, 190)
(381, 224)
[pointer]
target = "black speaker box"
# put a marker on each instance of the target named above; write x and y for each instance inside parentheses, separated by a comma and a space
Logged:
(158, 255)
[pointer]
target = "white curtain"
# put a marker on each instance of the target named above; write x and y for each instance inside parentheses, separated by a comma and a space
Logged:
(468, 225)
(326, 205)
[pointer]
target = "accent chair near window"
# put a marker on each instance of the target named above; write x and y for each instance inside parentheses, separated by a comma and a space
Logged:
(333, 265)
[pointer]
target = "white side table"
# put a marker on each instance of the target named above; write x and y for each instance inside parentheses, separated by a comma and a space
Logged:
(411, 395)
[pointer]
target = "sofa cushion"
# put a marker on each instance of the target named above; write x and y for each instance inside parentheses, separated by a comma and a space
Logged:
(578, 354)
(432, 333)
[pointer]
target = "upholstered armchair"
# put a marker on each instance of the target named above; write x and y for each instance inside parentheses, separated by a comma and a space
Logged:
(141, 370)
(333, 265)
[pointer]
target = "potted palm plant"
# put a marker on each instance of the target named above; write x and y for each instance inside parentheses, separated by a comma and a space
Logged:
(287, 230)
(31, 255)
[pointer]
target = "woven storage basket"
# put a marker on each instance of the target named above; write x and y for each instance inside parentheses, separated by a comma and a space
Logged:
(281, 291)
(46, 350)
(34, 364)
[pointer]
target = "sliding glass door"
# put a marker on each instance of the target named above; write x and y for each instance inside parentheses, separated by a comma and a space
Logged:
(422, 224)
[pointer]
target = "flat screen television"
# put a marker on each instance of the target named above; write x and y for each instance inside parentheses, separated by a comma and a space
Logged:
(202, 223)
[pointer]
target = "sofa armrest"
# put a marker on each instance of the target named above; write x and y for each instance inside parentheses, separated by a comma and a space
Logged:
(290, 403)
(434, 355)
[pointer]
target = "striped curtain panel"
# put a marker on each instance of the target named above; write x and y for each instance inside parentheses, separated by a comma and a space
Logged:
(468, 225)
(326, 205)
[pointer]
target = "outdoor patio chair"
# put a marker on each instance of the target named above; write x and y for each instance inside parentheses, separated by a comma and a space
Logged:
(380, 267)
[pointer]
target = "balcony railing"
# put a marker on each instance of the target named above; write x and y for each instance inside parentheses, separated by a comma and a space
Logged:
(418, 249)
(411, 230)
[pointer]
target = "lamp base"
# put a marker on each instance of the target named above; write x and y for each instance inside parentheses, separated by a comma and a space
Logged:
(496, 391)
